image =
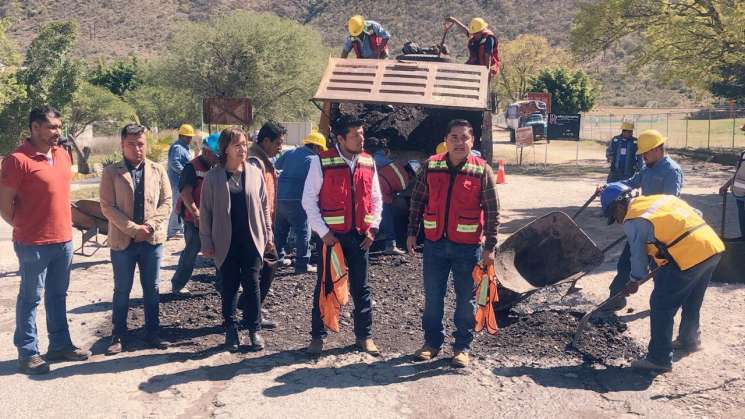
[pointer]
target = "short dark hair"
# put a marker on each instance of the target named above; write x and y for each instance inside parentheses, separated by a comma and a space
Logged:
(227, 136)
(344, 123)
(132, 129)
(374, 144)
(271, 130)
(458, 123)
(41, 114)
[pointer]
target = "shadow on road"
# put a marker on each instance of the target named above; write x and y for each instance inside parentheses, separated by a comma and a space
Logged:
(584, 377)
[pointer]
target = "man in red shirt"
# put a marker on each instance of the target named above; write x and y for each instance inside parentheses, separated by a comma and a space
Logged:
(35, 200)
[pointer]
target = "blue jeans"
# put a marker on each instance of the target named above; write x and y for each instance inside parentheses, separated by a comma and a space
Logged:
(675, 289)
(43, 268)
(174, 221)
(387, 227)
(147, 258)
(741, 215)
(290, 213)
(188, 256)
(440, 258)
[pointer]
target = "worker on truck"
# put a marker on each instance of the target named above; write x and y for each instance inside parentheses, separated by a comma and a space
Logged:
(483, 46)
(661, 175)
(456, 198)
(367, 38)
(673, 234)
(621, 154)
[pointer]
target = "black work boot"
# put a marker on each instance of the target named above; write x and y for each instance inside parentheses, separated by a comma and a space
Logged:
(231, 338)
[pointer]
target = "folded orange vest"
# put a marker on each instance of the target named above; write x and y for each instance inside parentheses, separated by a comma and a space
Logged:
(334, 286)
(486, 295)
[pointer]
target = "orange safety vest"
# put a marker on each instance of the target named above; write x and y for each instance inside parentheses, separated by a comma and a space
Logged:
(454, 211)
(196, 193)
(377, 44)
(393, 179)
(477, 51)
(346, 198)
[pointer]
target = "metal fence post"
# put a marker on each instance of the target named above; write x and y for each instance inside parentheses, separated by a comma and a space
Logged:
(708, 135)
(734, 123)
(687, 131)
(667, 125)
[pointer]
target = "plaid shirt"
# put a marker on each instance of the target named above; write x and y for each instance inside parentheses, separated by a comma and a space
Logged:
(489, 202)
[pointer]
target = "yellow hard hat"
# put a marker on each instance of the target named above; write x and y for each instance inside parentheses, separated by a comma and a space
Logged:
(356, 25)
(477, 25)
(627, 126)
(186, 130)
(316, 138)
(650, 139)
(441, 148)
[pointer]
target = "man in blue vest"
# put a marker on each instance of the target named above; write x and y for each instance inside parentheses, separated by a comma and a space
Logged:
(622, 154)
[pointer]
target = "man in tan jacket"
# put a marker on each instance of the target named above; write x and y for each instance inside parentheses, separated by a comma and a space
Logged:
(136, 199)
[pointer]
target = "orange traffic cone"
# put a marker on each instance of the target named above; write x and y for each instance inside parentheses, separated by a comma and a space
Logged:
(501, 173)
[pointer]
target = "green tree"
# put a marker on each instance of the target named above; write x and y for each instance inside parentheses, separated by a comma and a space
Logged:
(163, 106)
(275, 62)
(49, 76)
(91, 104)
(9, 59)
(119, 77)
(570, 92)
(521, 59)
(698, 41)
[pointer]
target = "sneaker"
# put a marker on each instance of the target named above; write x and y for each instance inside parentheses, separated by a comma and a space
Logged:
(393, 251)
(71, 353)
(315, 347)
(426, 353)
(34, 365)
(155, 342)
(460, 359)
(647, 365)
(257, 342)
(689, 347)
(183, 291)
(285, 262)
(367, 345)
(268, 324)
(309, 269)
(116, 346)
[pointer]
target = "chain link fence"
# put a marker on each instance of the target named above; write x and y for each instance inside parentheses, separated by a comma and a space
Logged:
(690, 128)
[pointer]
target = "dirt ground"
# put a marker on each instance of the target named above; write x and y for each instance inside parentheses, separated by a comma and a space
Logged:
(525, 371)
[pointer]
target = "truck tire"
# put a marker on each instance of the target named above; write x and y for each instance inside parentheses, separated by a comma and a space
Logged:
(424, 57)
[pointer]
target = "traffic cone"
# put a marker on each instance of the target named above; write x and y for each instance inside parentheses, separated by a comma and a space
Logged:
(500, 173)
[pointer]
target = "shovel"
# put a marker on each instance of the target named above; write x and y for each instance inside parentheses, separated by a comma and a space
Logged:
(589, 201)
(586, 318)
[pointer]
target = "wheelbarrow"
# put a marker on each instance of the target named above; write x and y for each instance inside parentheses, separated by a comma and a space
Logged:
(731, 267)
(88, 218)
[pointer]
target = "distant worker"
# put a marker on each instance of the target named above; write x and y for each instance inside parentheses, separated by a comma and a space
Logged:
(673, 234)
(187, 206)
(456, 200)
(483, 46)
(660, 175)
(293, 166)
(178, 156)
(621, 154)
(737, 182)
(393, 179)
(367, 38)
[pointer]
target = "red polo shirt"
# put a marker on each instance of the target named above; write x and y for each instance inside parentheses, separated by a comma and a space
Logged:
(42, 205)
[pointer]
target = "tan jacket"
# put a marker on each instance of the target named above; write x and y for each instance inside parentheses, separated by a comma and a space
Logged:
(215, 227)
(117, 203)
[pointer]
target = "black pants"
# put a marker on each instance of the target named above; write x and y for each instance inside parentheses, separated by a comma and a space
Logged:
(266, 277)
(241, 268)
(357, 263)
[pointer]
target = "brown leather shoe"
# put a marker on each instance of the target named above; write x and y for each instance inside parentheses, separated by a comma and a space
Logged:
(367, 345)
(71, 353)
(115, 347)
(426, 353)
(34, 365)
(460, 360)
(315, 347)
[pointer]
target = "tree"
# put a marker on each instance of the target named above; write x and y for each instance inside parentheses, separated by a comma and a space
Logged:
(49, 76)
(162, 106)
(9, 59)
(91, 104)
(570, 93)
(119, 77)
(275, 62)
(521, 59)
(698, 41)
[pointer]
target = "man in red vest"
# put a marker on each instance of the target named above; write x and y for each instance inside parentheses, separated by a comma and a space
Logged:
(483, 46)
(187, 207)
(455, 198)
(343, 201)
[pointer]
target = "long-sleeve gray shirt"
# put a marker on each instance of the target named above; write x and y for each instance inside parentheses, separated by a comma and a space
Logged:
(639, 233)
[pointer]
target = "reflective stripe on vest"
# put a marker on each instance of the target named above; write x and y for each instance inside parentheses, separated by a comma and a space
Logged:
(678, 229)
(334, 220)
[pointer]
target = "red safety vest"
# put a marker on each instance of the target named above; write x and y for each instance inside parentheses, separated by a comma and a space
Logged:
(346, 197)
(477, 51)
(377, 44)
(393, 179)
(196, 191)
(454, 211)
